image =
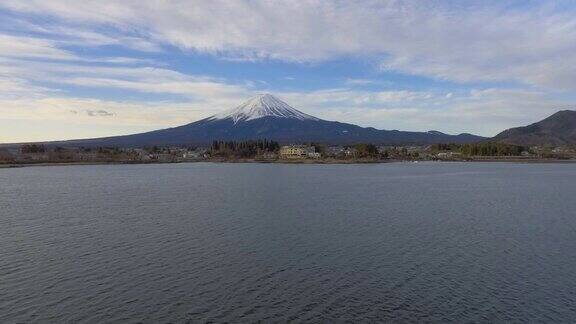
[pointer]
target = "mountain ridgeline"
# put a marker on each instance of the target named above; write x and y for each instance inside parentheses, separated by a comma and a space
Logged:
(267, 117)
(556, 130)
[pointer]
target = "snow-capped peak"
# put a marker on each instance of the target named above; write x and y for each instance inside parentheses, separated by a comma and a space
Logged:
(262, 105)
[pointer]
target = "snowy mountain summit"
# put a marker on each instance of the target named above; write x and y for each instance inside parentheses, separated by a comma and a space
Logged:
(262, 105)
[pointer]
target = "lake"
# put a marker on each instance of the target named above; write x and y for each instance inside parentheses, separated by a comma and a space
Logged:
(202, 242)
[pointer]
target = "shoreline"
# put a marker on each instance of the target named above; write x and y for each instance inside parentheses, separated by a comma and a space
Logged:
(294, 162)
(43, 164)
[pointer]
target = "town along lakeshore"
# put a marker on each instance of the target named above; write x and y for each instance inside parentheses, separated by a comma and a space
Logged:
(264, 151)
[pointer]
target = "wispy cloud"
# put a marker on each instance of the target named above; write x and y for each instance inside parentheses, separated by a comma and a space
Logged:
(359, 82)
(99, 113)
(136, 78)
(454, 42)
(485, 112)
(29, 47)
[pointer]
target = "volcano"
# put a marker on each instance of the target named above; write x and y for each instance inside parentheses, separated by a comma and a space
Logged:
(267, 117)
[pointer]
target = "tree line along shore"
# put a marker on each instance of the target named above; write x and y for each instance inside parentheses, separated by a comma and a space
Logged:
(272, 151)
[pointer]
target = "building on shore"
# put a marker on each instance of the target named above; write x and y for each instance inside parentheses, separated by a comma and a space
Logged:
(448, 155)
(350, 151)
(335, 151)
(293, 152)
(314, 155)
(299, 152)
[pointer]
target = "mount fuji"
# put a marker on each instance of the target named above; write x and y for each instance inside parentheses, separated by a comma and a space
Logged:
(267, 117)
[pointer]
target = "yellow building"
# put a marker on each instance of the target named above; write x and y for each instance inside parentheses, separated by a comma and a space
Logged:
(293, 152)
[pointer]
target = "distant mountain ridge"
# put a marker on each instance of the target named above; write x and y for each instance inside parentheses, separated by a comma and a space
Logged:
(267, 117)
(556, 130)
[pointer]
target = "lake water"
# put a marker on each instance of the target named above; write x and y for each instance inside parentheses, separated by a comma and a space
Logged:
(403, 242)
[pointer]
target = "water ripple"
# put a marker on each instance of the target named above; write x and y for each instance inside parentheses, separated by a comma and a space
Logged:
(273, 243)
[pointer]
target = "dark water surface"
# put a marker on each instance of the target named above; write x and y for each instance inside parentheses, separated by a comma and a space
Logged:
(428, 242)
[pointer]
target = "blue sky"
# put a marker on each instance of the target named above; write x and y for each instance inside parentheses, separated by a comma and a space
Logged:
(80, 69)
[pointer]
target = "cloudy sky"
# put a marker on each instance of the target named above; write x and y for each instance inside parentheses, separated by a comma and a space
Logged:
(79, 69)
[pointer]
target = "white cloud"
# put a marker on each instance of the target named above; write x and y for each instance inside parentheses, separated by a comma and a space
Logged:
(464, 42)
(149, 115)
(29, 47)
(483, 112)
(135, 78)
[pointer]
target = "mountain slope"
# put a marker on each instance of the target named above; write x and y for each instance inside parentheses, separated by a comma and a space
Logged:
(266, 116)
(556, 130)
